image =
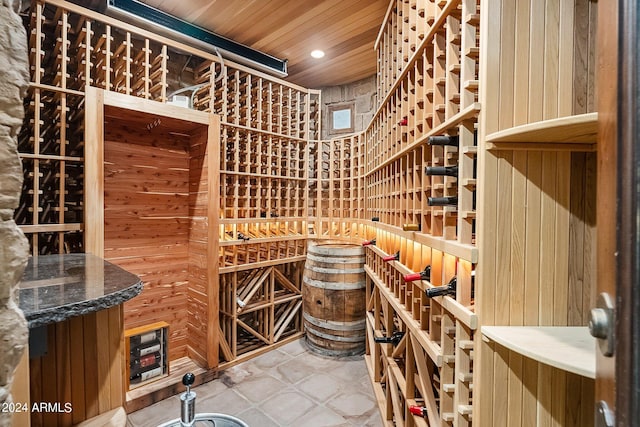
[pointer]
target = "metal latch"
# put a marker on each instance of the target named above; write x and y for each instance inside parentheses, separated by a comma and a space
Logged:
(604, 416)
(601, 324)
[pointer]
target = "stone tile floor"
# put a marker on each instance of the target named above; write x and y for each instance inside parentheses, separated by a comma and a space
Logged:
(288, 386)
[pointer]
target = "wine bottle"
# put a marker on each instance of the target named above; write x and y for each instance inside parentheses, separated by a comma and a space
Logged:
(369, 243)
(423, 275)
(375, 219)
(441, 171)
(394, 257)
(145, 375)
(145, 361)
(443, 140)
(448, 289)
(145, 338)
(393, 339)
(243, 237)
(404, 121)
(418, 410)
(411, 227)
(442, 201)
(147, 348)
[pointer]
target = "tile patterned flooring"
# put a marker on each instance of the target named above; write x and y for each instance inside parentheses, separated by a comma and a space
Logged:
(288, 387)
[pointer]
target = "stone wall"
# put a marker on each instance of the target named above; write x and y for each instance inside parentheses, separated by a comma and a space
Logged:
(362, 93)
(14, 248)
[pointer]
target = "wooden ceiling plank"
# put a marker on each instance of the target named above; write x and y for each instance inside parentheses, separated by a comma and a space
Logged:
(290, 30)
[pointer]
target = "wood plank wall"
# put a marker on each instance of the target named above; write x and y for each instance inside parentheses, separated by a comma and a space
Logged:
(146, 197)
(83, 366)
(539, 269)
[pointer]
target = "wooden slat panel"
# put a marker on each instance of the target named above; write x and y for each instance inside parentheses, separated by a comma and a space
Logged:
(83, 368)
(50, 384)
(561, 279)
(558, 396)
(550, 59)
(532, 236)
(63, 371)
(590, 237)
(545, 395)
(577, 226)
(566, 77)
(547, 239)
(117, 368)
(91, 384)
(517, 267)
(530, 393)
(532, 64)
(77, 359)
(103, 363)
(581, 55)
(500, 377)
(94, 176)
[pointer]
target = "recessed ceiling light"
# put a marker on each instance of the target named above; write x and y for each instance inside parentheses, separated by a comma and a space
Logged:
(317, 54)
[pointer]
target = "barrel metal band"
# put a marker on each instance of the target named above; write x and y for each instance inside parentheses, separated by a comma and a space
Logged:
(345, 250)
(339, 286)
(335, 337)
(337, 326)
(335, 271)
(336, 260)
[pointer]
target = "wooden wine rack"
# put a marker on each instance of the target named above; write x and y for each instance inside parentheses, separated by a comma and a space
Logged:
(267, 129)
(336, 189)
(259, 308)
(281, 186)
(250, 100)
(161, 332)
(427, 86)
(68, 51)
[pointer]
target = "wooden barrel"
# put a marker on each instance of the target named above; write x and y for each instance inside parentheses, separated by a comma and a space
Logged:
(333, 292)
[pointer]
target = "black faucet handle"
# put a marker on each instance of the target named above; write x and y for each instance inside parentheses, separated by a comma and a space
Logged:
(188, 379)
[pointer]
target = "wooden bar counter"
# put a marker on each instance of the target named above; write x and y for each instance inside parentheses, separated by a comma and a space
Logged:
(73, 304)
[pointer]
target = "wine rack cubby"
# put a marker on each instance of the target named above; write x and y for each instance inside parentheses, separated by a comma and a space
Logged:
(146, 348)
(428, 73)
(336, 188)
(259, 308)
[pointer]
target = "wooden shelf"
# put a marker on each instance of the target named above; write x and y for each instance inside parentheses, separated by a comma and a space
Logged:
(569, 348)
(469, 112)
(575, 133)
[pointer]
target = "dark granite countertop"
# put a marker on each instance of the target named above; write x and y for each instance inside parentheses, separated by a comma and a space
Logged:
(57, 287)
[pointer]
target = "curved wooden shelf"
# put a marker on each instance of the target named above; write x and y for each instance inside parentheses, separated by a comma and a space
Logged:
(574, 133)
(570, 348)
